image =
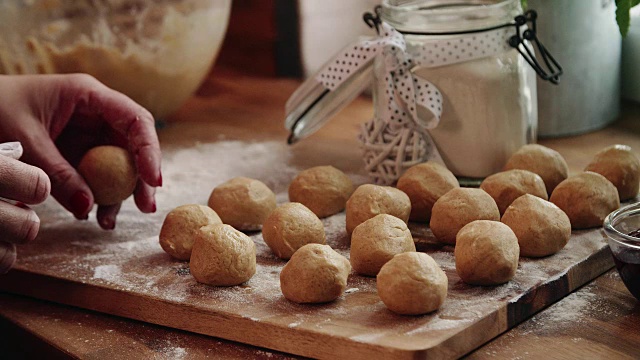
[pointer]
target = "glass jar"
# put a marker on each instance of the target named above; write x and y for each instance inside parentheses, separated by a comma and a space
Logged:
(488, 103)
(623, 231)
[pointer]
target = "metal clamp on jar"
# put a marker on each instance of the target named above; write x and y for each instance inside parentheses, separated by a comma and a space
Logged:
(452, 82)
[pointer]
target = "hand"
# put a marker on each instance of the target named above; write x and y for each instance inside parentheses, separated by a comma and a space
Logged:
(57, 118)
(20, 184)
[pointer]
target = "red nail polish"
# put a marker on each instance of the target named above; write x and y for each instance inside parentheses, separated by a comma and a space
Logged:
(21, 205)
(153, 207)
(110, 224)
(80, 205)
(160, 179)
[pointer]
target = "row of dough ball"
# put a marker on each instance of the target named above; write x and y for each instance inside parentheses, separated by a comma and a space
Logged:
(246, 203)
(531, 226)
(223, 256)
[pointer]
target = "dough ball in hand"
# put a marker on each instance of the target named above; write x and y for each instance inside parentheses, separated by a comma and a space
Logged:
(486, 253)
(110, 173)
(546, 162)
(323, 189)
(222, 256)
(370, 200)
(315, 274)
(620, 166)
(506, 186)
(243, 203)
(291, 226)
(378, 240)
(412, 283)
(180, 227)
(459, 207)
(587, 198)
(424, 184)
(541, 227)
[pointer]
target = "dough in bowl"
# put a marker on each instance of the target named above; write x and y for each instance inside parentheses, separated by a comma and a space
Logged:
(315, 274)
(222, 256)
(486, 253)
(546, 162)
(291, 226)
(243, 203)
(506, 186)
(620, 166)
(412, 283)
(370, 200)
(180, 227)
(110, 173)
(541, 227)
(424, 184)
(378, 240)
(587, 198)
(323, 189)
(459, 207)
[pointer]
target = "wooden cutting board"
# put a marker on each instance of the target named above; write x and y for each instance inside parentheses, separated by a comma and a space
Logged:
(126, 273)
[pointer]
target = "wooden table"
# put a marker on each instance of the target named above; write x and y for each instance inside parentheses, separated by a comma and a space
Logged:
(599, 320)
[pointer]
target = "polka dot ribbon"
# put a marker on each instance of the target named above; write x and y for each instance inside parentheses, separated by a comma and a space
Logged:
(404, 92)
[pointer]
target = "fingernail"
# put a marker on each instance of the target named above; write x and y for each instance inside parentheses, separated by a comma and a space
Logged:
(160, 179)
(109, 224)
(80, 205)
(22, 205)
(153, 207)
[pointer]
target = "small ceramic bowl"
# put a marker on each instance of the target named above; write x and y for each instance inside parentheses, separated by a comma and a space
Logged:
(623, 230)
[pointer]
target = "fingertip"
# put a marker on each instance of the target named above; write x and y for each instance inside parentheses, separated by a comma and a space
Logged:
(42, 189)
(148, 162)
(106, 216)
(107, 223)
(31, 227)
(81, 204)
(144, 197)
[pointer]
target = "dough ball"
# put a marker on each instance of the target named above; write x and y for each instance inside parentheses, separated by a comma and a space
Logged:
(222, 256)
(459, 207)
(424, 184)
(370, 200)
(243, 203)
(315, 274)
(541, 227)
(620, 166)
(376, 241)
(506, 186)
(547, 163)
(587, 198)
(412, 283)
(110, 173)
(180, 227)
(486, 253)
(291, 226)
(323, 189)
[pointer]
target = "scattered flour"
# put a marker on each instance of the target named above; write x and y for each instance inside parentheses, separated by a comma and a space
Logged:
(109, 273)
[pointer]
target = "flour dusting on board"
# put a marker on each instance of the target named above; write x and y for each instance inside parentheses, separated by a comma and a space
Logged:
(130, 259)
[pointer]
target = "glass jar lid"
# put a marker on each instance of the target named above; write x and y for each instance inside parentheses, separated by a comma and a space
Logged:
(313, 104)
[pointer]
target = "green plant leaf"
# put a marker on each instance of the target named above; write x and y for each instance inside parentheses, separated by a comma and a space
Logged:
(622, 15)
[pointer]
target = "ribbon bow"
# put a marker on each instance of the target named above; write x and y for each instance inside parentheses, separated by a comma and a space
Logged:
(403, 93)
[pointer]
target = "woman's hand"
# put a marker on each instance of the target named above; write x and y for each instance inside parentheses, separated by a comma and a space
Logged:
(57, 118)
(20, 184)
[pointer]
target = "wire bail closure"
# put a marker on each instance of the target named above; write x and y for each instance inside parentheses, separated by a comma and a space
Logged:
(551, 73)
(530, 34)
